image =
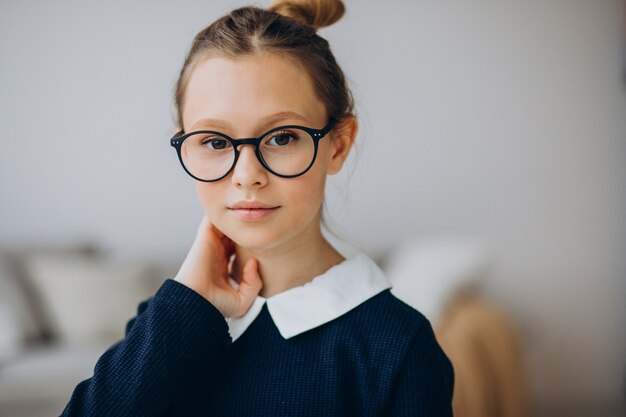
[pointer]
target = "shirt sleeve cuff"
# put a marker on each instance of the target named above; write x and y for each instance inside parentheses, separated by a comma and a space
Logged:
(194, 323)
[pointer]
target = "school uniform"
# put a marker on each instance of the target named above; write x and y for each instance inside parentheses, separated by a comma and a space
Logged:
(340, 345)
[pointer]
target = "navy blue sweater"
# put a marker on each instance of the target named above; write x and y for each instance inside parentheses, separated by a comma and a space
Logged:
(178, 359)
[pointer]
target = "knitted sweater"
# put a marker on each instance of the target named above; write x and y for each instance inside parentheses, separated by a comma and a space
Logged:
(177, 358)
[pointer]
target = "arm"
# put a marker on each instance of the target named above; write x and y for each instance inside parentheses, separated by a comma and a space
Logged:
(425, 381)
(174, 338)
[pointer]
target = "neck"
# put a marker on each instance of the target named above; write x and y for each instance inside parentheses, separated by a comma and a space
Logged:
(290, 264)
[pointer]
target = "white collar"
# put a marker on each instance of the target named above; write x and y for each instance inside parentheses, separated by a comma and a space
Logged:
(326, 297)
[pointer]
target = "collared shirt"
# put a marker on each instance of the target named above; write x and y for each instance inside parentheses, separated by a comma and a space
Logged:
(326, 297)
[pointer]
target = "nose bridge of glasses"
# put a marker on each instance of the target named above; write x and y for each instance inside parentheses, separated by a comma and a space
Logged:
(239, 145)
(247, 164)
(245, 141)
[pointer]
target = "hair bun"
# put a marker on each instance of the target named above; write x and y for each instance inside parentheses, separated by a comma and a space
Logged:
(314, 13)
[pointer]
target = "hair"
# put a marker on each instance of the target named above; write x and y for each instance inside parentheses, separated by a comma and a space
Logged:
(287, 28)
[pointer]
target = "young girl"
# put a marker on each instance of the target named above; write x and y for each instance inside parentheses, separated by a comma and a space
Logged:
(265, 317)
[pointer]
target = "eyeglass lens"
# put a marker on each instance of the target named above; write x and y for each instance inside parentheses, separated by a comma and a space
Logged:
(209, 156)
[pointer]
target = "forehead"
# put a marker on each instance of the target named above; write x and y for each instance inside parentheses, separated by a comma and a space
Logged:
(243, 91)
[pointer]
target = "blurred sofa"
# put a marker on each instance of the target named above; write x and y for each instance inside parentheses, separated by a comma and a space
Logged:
(60, 309)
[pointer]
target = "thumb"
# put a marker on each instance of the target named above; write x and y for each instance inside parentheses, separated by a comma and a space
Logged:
(250, 284)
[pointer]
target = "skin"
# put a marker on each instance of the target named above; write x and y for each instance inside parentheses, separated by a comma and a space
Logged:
(286, 249)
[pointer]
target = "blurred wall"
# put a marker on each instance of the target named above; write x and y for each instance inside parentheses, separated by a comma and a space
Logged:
(503, 120)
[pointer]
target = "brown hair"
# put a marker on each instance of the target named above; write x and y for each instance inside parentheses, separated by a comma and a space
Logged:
(287, 28)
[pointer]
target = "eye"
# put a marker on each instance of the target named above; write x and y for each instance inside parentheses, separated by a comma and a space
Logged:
(216, 143)
(282, 138)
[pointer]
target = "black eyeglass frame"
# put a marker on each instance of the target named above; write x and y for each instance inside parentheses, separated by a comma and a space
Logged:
(177, 140)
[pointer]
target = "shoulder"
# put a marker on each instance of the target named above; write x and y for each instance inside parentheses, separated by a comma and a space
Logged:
(383, 311)
(397, 328)
(415, 346)
(388, 323)
(402, 341)
(387, 310)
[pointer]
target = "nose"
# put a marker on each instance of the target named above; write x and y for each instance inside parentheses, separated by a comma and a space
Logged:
(248, 171)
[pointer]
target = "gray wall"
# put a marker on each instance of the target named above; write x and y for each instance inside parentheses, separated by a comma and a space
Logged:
(502, 120)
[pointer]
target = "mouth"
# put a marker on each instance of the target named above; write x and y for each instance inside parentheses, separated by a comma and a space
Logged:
(254, 213)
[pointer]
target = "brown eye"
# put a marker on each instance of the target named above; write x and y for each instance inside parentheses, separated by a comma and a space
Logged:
(216, 143)
(282, 138)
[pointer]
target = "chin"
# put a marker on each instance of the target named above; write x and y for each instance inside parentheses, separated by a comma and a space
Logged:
(255, 240)
(261, 242)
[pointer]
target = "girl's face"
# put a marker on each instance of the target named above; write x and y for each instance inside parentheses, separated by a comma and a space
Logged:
(245, 98)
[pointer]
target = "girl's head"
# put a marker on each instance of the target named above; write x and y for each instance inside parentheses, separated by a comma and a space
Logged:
(250, 31)
(253, 70)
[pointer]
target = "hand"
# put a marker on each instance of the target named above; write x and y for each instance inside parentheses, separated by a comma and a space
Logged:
(205, 270)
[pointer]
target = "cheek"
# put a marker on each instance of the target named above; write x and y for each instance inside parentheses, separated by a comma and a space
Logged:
(301, 200)
(306, 192)
(210, 198)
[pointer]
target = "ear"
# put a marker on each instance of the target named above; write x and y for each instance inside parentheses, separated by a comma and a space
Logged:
(343, 136)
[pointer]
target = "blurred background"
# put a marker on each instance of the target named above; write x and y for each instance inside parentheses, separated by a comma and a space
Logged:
(490, 161)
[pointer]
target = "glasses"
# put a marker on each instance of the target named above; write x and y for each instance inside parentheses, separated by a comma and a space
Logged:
(286, 151)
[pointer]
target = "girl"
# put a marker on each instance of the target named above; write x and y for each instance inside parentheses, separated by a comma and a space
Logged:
(265, 317)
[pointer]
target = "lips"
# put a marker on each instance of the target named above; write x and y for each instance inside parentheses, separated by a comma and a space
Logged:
(253, 210)
(252, 205)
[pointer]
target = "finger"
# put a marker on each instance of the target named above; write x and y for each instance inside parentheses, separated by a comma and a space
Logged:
(204, 229)
(205, 223)
(230, 250)
(216, 236)
(216, 232)
(227, 242)
(250, 284)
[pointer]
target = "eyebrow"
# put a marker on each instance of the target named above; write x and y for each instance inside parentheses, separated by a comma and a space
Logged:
(266, 121)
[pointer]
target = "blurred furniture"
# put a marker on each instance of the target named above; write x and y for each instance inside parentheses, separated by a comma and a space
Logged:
(60, 310)
(443, 279)
(485, 350)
